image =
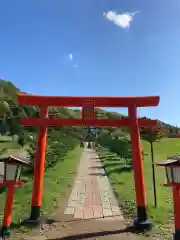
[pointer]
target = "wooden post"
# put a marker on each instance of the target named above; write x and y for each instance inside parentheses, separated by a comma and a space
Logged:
(39, 168)
(7, 218)
(141, 220)
(153, 175)
(176, 199)
(5, 231)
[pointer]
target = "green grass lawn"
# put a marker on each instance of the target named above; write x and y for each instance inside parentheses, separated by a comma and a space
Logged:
(56, 182)
(121, 178)
(8, 147)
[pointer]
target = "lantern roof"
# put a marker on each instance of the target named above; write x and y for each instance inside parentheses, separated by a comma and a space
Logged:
(177, 157)
(14, 159)
(174, 160)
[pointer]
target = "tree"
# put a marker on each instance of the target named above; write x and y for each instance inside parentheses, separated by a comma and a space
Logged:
(3, 127)
(14, 127)
(21, 140)
(152, 134)
(4, 103)
(118, 133)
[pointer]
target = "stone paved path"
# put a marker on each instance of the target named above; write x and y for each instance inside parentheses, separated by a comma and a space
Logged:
(92, 196)
(91, 212)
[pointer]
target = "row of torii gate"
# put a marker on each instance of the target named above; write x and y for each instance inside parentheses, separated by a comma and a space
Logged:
(88, 105)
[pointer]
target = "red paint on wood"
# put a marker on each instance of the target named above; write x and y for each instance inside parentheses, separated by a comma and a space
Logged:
(7, 218)
(176, 196)
(8, 206)
(137, 158)
(124, 122)
(40, 161)
(69, 101)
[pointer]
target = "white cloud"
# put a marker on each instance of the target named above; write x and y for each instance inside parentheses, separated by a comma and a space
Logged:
(70, 56)
(123, 20)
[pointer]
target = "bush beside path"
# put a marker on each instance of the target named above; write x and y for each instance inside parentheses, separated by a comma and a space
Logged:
(57, 180)
(120, 174)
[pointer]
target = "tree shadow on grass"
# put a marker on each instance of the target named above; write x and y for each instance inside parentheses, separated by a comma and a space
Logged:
(119, 170)
(96, 158)
(113, 164)
(117, 183)
(108, 155)
(97, 167)
(97, 174)
(114, 158)
(105, 157)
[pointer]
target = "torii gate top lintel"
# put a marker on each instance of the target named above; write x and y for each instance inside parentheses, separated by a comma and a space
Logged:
(88, 105)
(73, 101)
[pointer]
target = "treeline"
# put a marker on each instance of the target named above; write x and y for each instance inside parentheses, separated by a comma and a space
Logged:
(58, 145)
(10, 112)
(60, 139)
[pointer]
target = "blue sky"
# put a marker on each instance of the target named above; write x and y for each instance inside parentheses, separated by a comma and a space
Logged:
(37, 38)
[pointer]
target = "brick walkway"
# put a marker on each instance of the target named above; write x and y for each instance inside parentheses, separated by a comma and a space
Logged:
(92, 196)
(92, 212)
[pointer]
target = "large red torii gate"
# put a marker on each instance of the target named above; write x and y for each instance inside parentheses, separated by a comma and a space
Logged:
(88, 104)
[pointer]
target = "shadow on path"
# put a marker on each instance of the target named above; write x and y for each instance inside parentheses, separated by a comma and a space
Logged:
(95, 234)
(97, 174)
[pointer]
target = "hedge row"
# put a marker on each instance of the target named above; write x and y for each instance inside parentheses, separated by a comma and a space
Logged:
(58, 145)
(120, 146)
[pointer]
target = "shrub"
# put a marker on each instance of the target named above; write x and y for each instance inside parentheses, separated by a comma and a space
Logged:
(21, 140)
(120, 146)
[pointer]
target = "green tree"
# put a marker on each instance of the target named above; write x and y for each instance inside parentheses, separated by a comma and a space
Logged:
(4, 103)
(21, 140)
(14, 127)
(152, 134)
(3, 127)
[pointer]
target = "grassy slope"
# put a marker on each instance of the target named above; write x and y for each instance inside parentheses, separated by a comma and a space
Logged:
(122, 179)
(10, 146)
(56, 182)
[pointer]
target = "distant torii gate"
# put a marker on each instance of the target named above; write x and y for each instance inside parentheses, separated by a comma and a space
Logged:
(88, 119)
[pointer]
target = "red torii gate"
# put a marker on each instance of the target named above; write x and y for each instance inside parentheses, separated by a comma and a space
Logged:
(89, 103)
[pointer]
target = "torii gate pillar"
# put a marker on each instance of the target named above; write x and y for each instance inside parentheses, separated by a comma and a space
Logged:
(141, 221)
(39, 168)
